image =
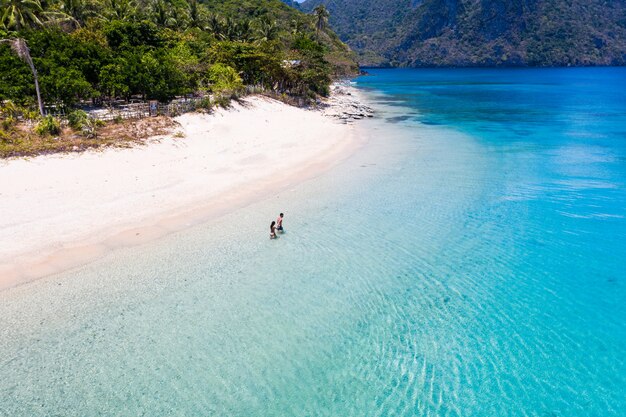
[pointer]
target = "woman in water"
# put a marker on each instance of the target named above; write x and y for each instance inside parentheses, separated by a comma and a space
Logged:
(273, 230)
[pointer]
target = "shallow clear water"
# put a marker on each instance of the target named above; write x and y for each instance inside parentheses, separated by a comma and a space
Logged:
(469, 260)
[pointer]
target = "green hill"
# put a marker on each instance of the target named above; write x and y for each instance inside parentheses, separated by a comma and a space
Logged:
(481, 32)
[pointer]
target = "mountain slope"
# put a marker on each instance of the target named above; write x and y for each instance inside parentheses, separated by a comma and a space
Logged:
(481, 32)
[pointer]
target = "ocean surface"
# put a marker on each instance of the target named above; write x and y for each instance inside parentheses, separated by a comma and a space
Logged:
(468, 260)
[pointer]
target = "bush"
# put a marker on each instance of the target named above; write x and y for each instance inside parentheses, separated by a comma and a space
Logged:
(9, 110)
(77, 119)
(88, 126)
(8, 122)
(91, 126)
(48, 126)
(205, 104)
(222, 101)
(28, 114)
(5, 137)
(224, 79)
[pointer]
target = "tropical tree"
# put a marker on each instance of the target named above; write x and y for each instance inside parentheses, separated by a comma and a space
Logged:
(77, 11)
(114, 81)
(20, 48)
(244, 30)
(163, 14)
(159, 49)
(267, 30)
(224, 79)
(119, 9)
(65, 86)
(195, 15)
(20, 14)
(9, 110)
(296, 26)
(216, 26)
(236, 30)
(321, 18)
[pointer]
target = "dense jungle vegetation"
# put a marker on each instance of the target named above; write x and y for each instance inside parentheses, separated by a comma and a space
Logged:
(99, 50)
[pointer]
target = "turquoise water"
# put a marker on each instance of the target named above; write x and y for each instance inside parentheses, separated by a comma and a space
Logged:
(467, 261)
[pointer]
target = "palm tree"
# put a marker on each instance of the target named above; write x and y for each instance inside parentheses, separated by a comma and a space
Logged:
(19, 14)
(321, 18)
(230, 29)
(244, 31)
(216, 26)
(234, 30)
(19, 46)
(296, 27)
(267, 30)
(76, 12)
(163, 13)
(195, 15)
(119, 9)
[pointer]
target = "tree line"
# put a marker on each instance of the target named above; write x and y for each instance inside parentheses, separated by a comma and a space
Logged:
(101, 50)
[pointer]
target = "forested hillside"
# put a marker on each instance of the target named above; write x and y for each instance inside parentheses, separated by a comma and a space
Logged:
(481, 32)
(157, 49)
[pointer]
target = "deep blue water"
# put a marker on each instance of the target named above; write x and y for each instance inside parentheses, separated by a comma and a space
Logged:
(469, 260)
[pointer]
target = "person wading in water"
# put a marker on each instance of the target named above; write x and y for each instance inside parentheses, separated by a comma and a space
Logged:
(279, 223)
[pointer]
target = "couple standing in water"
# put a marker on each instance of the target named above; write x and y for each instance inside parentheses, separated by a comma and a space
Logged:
(276, 226)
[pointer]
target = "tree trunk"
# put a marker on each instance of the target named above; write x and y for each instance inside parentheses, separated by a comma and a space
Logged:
(39, 101)
(20, 47)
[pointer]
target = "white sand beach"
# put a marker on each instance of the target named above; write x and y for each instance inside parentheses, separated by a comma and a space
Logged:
(60, 211)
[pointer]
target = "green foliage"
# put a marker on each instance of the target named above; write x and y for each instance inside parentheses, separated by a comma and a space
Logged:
(222, 101)
(66, 87)
(205, 104)
(81, 122)
(224, 79)
(19, 86)
(321, 17)
(159, 77)
(90, 127)
(9, 113)
(20, 14)
(100, 50)
(123, 34)
(267, 30)
(48, 125)
(113, 82)
(77, 119)
(8, 122)
(9, 110)
(30, 114)
(6, 137)
(313, 75)
(308, 46)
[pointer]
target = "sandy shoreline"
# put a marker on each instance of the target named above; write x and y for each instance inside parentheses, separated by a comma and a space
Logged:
(62, 211)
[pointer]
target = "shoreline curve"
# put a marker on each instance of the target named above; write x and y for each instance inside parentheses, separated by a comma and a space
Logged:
(262, 117)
